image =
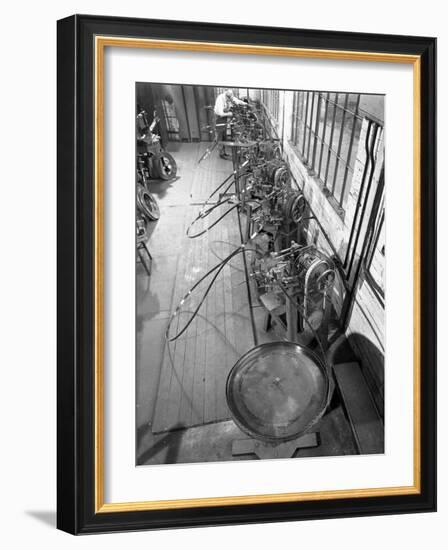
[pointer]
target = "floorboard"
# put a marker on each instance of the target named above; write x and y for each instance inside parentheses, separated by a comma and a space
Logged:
(192, 371)
(182, 384)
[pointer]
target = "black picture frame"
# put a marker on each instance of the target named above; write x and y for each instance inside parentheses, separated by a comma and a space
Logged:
(76, 263)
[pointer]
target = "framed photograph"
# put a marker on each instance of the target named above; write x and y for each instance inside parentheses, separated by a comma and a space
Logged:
(246, 274)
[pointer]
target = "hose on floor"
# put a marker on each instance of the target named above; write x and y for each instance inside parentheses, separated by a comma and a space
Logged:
(205, 212)
(216, 270)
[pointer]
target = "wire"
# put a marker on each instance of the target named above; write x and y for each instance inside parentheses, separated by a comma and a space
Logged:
(207, 211)
(218, 268)
(238, 173)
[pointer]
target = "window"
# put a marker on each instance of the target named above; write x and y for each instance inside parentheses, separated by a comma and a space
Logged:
(325, 131)
(171, 120)
(271, 102)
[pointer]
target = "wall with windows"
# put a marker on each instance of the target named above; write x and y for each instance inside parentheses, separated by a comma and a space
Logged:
(334, 145)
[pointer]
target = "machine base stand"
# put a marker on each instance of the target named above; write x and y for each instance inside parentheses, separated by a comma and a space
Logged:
(273, 450)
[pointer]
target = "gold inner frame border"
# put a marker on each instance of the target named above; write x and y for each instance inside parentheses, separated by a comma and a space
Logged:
(101, 42)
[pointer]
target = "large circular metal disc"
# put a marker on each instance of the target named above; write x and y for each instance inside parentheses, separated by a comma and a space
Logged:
(277, 391)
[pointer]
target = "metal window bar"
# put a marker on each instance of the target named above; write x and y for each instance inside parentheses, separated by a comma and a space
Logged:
(337, 161)
(323, 135)
(300, 110)
(298, 120)
(330, 142)
(310, 123)
(297, 117)
(304, 118)
(309, 127)
(316, 131)
(352, 112)
(294, 119)
(305, 124)
(334, 153)
(341, 137)
(350, 150)
(321, 139)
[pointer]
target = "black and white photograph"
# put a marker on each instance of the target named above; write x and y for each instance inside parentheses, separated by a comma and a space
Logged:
(260, 273)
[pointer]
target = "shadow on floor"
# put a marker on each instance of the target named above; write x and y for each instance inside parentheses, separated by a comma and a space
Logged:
(171, 442)
(159, 188)
(47, 517)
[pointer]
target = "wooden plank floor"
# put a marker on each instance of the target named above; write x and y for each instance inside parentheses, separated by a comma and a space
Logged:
(192, 370)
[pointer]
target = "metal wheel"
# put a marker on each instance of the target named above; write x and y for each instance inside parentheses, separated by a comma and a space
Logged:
(165, 166)
(282, 177)
(296, 205)
(271, 167)
(147, 204)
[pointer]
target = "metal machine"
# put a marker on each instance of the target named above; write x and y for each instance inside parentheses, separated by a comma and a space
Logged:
(153, 162)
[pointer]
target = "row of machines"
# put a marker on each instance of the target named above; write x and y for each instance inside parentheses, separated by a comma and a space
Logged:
(278, 391)
(294, 280)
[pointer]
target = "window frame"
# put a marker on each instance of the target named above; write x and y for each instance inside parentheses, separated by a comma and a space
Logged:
(319, 145)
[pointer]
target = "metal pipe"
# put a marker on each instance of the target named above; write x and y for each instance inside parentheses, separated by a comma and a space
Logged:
(367, 240)
(369, 151)
(361, 190)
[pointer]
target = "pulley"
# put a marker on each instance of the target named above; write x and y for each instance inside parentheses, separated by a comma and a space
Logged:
(269, 150)
(282, 177)
(316, 269)
(294, 207)
(270, 168)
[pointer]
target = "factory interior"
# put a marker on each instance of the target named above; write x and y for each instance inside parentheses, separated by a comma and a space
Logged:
(260, 273)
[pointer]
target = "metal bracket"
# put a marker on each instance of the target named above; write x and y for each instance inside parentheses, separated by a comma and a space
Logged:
(265, 450)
